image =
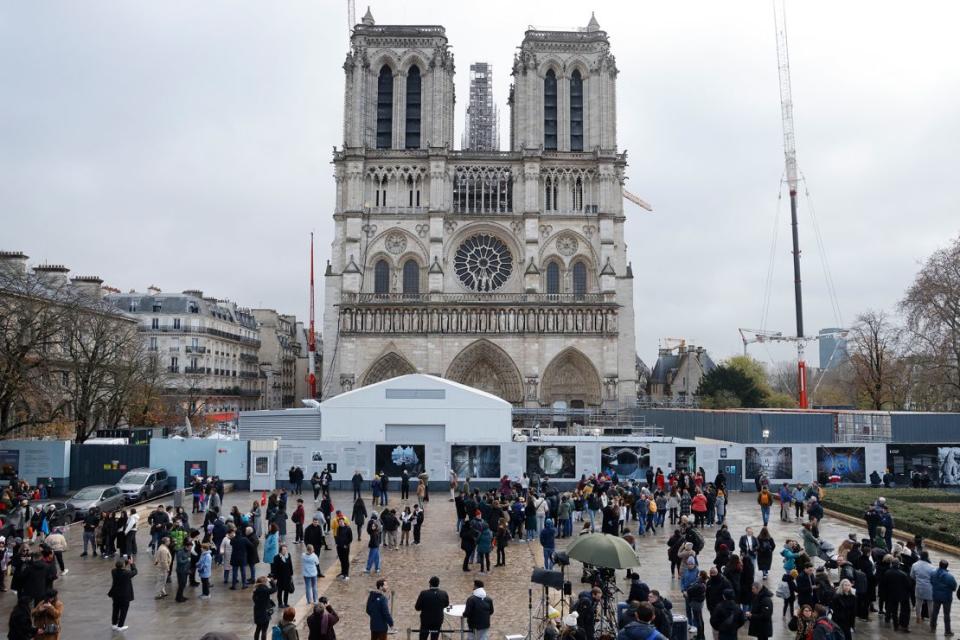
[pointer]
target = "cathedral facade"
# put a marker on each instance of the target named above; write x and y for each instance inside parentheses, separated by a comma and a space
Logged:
(506, 270)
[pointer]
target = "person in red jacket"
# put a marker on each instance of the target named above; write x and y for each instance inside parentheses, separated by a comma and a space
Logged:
(698, 506)
(298, 515)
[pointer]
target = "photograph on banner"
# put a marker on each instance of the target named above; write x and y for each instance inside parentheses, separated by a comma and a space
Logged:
(949, 462)
(9, 463)
(392, 459)
(627, 462)
(915, 464)
(774, 462)
(686, 459)
(475, 461)
(552, 462)
(849, 463)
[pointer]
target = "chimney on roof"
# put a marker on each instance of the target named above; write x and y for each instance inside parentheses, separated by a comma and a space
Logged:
(153, 289)
(13, 262)
(54, 275)
(90, 286)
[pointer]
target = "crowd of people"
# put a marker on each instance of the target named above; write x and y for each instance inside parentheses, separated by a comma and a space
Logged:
(729, 584)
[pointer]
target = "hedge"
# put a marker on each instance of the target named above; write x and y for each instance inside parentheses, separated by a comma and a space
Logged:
(905, 505)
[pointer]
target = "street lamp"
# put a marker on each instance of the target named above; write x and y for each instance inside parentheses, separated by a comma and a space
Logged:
(766, 435)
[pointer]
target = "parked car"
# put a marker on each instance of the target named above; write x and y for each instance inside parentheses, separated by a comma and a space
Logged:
(143, 483)
(59, 513)
(104, 497)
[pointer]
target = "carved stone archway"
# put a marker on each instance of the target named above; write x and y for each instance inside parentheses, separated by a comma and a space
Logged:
(572, 378)
(485, 366)
(389, 365)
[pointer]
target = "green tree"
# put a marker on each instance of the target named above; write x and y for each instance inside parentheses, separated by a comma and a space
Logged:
(729, 386)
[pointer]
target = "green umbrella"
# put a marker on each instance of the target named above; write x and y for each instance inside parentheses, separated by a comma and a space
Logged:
(603, 550)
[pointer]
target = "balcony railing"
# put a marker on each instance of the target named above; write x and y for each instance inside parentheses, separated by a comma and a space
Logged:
(195, 370)
(204, 330)
(249, 374)
(480, 298)
(195, 349)
(249, 357)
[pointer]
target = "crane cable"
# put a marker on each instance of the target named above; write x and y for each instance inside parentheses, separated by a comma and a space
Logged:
(828, 275)
(771, 263)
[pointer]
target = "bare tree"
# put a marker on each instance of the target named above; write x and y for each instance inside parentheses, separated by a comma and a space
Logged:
(101, 346)
(876, 358)
(932, 309)
(33, 315)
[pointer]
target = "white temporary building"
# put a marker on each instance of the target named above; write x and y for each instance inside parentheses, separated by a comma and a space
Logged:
(416, 408)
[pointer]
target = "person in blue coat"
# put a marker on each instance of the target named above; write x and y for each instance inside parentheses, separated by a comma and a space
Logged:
(944, 586)
(548, 540)
(271, 544)
(378, 608)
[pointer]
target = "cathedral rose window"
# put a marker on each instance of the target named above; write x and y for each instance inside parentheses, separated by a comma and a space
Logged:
(483, 262)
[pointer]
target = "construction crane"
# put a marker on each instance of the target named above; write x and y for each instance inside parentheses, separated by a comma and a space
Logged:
(312, 335)
(790, 157)
(351, 17)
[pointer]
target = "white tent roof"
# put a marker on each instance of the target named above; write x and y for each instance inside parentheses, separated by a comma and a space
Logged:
(362, 395)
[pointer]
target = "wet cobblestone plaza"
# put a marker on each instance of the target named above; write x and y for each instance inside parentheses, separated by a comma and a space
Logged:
(87, 608)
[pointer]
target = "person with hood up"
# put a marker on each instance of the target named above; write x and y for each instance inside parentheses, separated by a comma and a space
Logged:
(761, 613)
(378, 608)
(695, 594)
(484, 547)
(478, 611)
(716, 585)
(548, 538)
(641, 626)
(726, 618)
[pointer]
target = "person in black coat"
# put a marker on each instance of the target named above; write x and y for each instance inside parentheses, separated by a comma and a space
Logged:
(262, 607)
(20, 626)
(761, 612)
(239, 560)
(313, 535)
(897, 587)
(34, 577)
(806, 588)
(281, 569)
(746, 585)
(844, 607)
(726, 618)
(253, 553)
(121, 591)
(716, 585)
(431, 604)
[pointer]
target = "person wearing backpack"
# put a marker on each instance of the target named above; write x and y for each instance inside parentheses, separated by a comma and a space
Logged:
(824, 628)
(287, 628)
(765, 547)
(727, 618)
(765, 500)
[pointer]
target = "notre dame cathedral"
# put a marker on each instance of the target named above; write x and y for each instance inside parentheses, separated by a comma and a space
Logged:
(503, 270)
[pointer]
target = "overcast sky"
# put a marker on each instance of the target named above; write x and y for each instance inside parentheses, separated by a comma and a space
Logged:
(188, 144)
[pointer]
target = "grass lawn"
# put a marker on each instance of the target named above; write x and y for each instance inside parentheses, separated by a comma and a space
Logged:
(914, 510)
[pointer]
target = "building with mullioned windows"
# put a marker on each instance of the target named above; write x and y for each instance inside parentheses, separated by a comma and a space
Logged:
(503, 270)
(482, 129)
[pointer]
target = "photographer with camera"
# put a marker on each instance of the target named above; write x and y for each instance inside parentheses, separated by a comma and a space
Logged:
(322, 620)
(121, 591)
(263, 606)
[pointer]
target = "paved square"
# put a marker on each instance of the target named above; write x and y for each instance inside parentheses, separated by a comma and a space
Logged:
(87, 608)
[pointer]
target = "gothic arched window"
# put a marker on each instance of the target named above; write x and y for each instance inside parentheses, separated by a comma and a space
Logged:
(411, 277)
(576, 111)
(579, 279)
(550, 111)
(381, 277)
(553, 278)
(385, 108)
(413, 108)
